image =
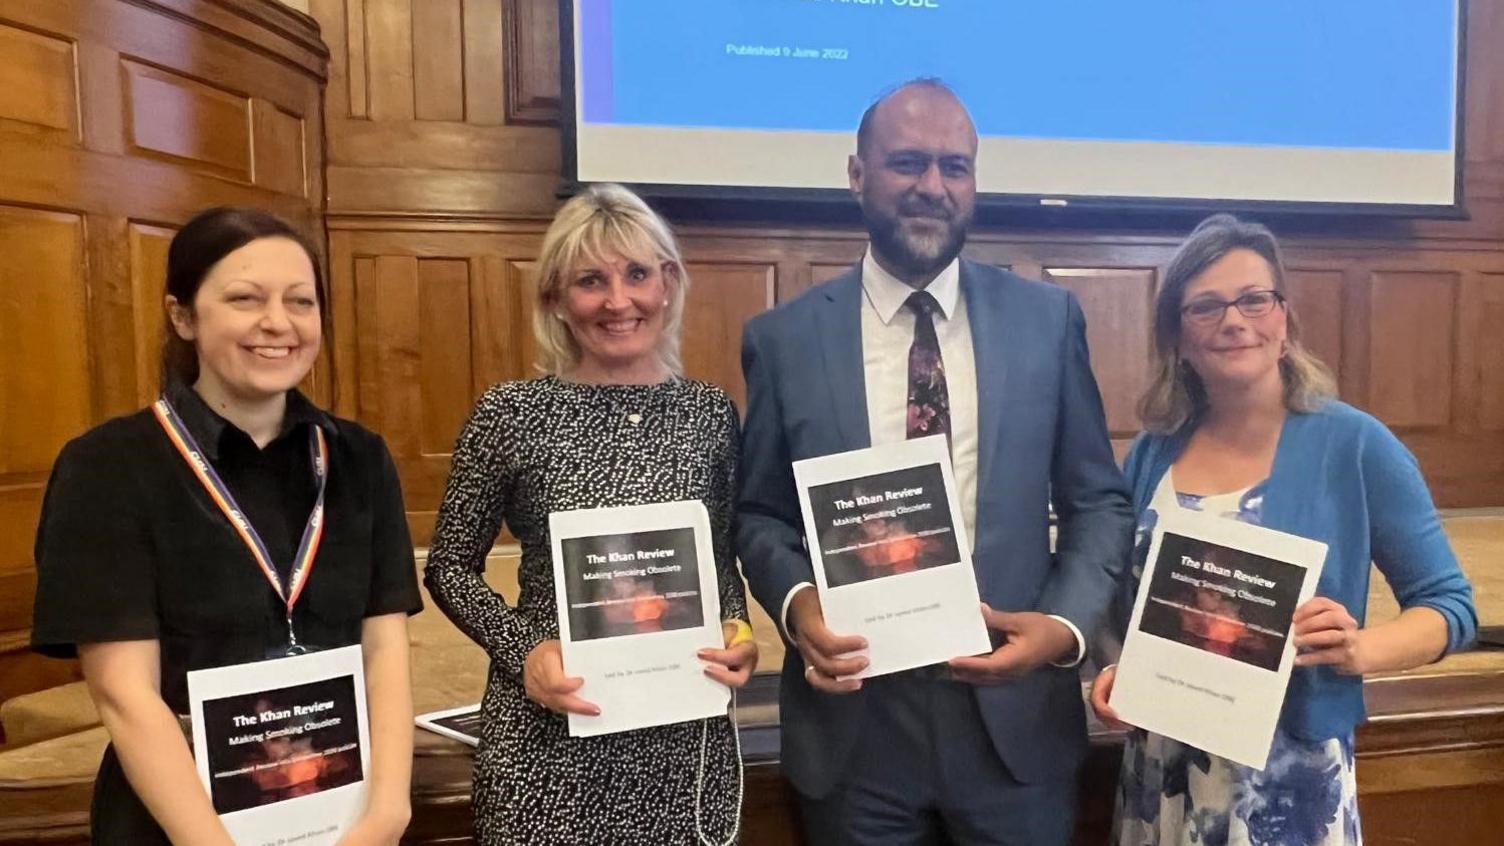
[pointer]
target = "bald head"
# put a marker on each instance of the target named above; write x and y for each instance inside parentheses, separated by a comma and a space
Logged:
(916, 99)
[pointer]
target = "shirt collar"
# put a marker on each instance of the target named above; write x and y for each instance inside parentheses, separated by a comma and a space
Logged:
(888, 293)
(209, 428)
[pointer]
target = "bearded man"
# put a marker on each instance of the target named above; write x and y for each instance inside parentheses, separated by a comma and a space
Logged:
(916, 341)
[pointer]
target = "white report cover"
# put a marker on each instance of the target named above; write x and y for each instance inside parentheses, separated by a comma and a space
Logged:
(1209, 648)
(284, 746)
(891, 558)
(637, 598)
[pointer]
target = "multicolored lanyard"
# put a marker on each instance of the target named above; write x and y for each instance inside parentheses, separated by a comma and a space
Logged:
(302, 562)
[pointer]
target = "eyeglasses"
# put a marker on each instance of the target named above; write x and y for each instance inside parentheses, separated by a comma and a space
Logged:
(1210, 311)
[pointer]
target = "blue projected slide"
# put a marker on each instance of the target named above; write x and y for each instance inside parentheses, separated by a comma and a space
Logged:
(1327, 73)
(1351, 101)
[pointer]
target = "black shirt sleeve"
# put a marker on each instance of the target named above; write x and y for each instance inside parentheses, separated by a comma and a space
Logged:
(394, 578)
(96, 573)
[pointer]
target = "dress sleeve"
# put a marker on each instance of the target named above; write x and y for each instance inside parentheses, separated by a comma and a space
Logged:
(1407, 540)
(96, 571)
(722, 507)
(394, 582)
(470, 517)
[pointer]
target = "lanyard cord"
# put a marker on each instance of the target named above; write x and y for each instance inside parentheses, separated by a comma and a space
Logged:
(736, 820)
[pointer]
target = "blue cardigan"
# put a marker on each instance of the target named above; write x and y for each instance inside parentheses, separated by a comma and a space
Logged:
(1341, 477)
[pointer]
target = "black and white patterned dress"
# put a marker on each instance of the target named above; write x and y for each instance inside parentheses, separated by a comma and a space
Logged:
(542, 445)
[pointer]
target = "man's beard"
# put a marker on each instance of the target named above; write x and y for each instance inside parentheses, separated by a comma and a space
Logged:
(914, 254)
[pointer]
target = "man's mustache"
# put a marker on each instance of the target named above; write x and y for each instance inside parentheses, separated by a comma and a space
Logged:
(925, 210)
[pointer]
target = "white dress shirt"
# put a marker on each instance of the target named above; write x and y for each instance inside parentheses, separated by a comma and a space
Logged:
(887, 334)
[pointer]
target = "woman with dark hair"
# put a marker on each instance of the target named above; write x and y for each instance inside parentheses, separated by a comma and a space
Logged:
(1242, 423)
(141, 574)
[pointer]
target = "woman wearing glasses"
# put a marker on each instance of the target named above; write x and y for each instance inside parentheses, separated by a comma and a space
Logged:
(1241, 422)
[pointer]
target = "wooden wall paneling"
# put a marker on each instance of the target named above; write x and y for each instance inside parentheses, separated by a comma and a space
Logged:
(118, 120)
(389, 59)
(173, 116)
(485, 97)
(721, 298)
(1412, 342)
(112, 316)
(1118, 304)
(445, 355)
(532, 60)
(1354, 381)
(438, 60)
(1316, 299)
(349, 76)
(38, 84)
(1487, 348)
(44, 385)
(148, 279)
(280, 149)
(501, 311)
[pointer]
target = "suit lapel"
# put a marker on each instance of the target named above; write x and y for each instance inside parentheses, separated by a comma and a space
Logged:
(988, 318)
(839, 320)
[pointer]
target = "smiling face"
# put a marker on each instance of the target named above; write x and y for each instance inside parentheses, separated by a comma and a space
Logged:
(916, 181)
(615, 307)
(1235, 352)
(254, 321)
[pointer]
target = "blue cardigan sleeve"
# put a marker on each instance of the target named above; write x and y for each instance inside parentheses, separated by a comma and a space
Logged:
(1407, 540)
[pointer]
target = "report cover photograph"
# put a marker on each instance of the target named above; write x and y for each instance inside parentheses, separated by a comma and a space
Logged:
(884, 525)
(270, 746)
(1226, 601)
(631, 583)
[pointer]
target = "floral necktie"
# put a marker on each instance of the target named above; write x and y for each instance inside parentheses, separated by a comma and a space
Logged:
(929, 403)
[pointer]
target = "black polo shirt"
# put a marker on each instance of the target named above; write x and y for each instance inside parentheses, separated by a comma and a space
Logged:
(131, 546)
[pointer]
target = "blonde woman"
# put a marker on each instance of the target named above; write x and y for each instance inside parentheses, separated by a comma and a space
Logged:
(612, 422)
(1242, 423)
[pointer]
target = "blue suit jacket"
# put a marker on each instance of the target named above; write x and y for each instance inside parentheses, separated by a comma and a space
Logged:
(1041, 435)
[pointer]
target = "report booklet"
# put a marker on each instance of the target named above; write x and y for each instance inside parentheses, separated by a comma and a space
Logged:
(283, 746)
(637, 599)
(1209, 648)
(891, 558)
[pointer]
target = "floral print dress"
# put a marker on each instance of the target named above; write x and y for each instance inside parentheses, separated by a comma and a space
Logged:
(1171, 794)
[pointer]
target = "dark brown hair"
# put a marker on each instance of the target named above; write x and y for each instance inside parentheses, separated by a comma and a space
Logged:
(211, 235)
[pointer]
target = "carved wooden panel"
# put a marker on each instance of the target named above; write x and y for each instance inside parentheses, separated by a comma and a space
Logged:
(438, 66)
(388, 28)
(485, 102)
(721, 298)
(1412, 318)
(1316, 300)
(38, 82)
(44, 384)
(148, 275)
(173, 116)
(445, 352)
(45, 381)
(502, 320)
(1118, 304)
(281, 138)
(1488, 347)
(532, 58)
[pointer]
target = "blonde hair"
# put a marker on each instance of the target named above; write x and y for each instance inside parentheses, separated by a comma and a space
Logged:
(604, 219)
(1176, 394)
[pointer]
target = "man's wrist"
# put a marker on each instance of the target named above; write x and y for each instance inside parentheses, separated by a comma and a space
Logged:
(1072, 655)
